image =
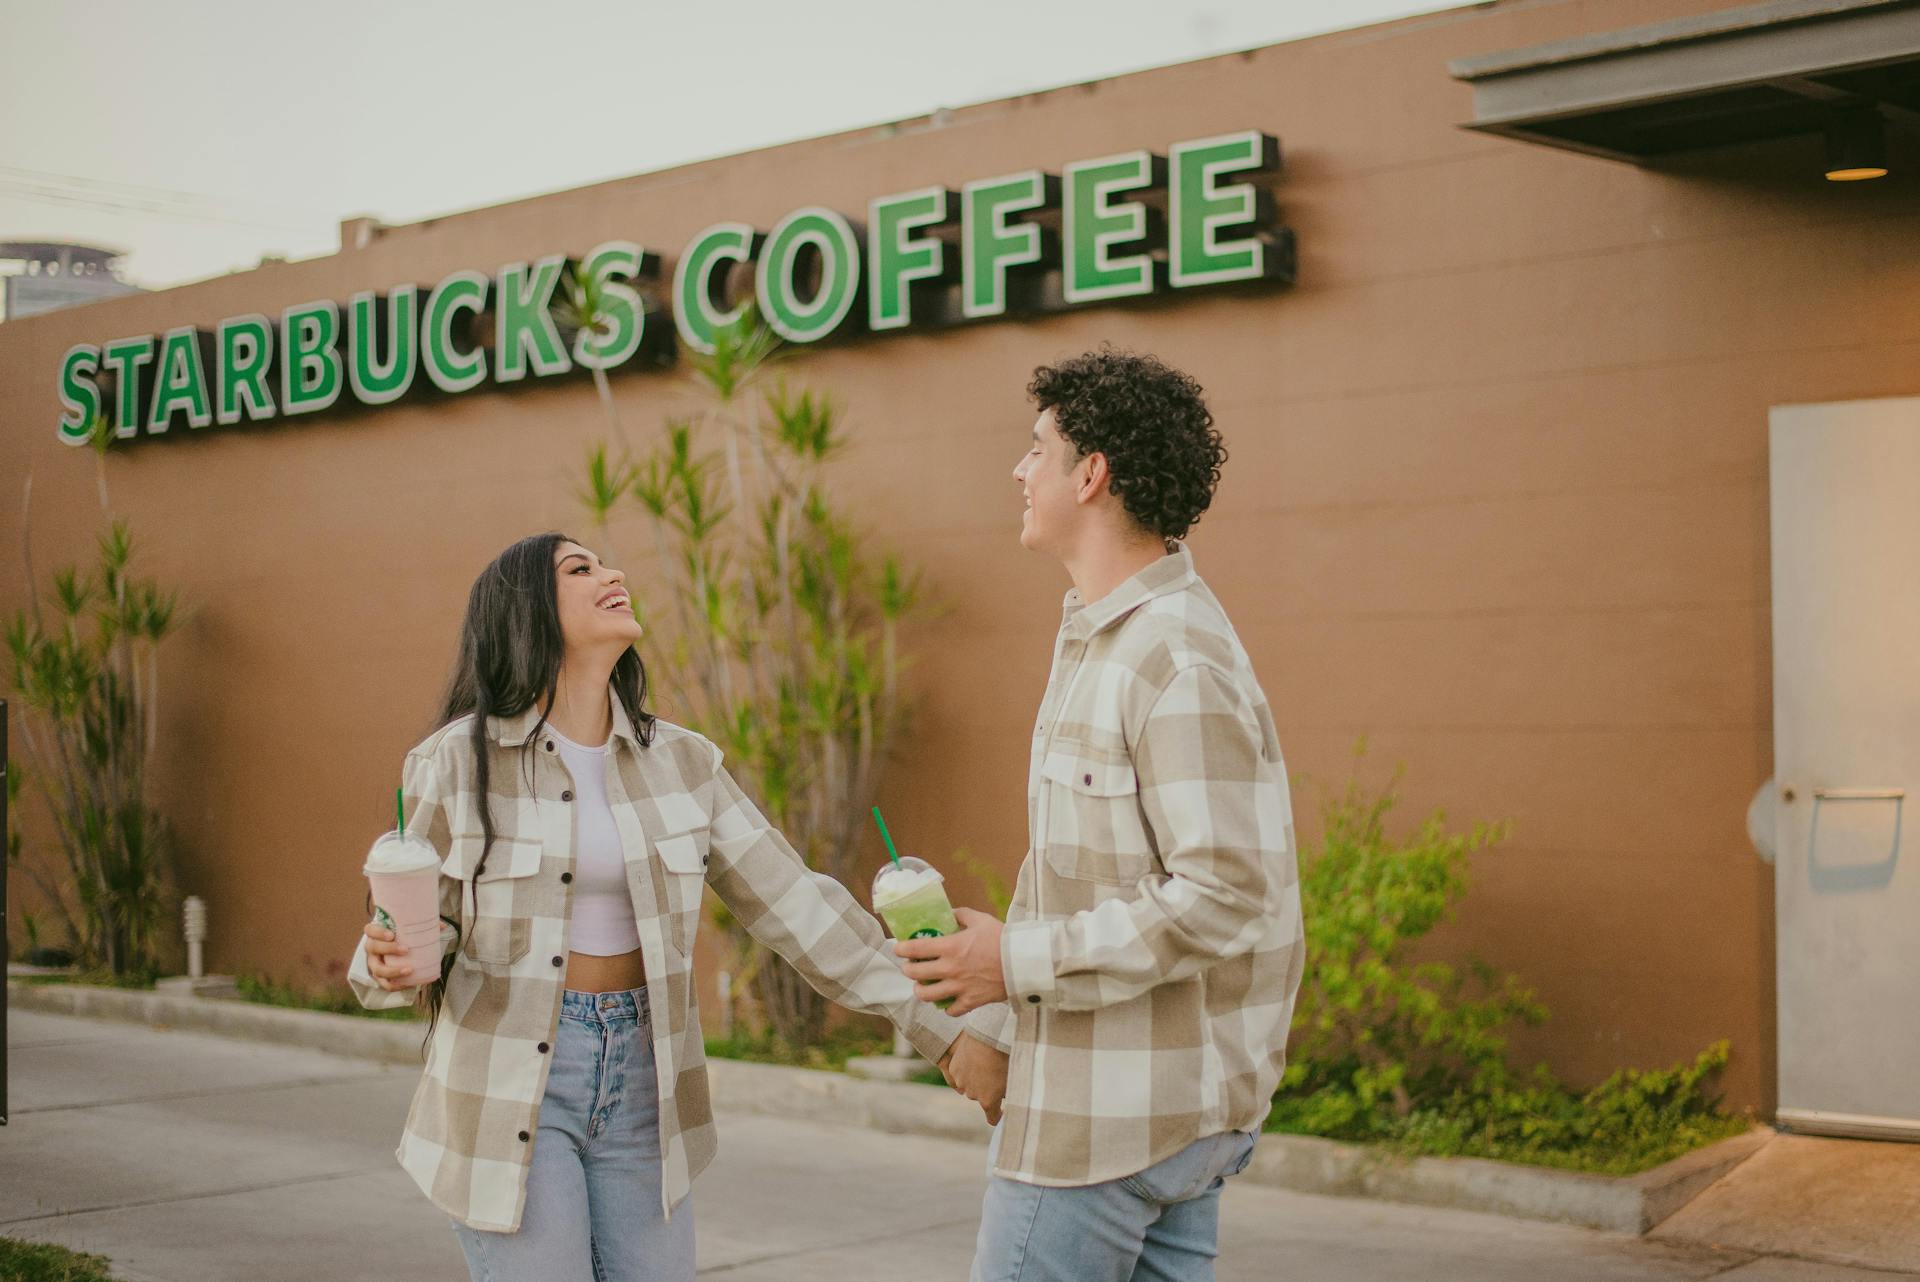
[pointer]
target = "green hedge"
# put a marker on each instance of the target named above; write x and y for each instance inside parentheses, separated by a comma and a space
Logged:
(1411, 1053)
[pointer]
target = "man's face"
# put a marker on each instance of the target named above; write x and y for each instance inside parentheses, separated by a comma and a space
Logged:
(1049, 475)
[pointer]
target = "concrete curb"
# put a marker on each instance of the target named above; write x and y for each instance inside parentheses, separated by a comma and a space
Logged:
(898, 1108)
(384, 1040)
(1303, 1164)
(1622, 1203)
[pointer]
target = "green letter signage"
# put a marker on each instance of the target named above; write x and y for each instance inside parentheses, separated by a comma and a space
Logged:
(181, 382)
(523, 321)
(394, 327)
(310, 375)
(79, 394)
(454, 362)
(837, 254)
(617, 320)
(1094, 223)
(698, 309)
(246, 350)
(1129, 225)
(1202, 208)
(124, 357)
(990, 248)
(897, 259)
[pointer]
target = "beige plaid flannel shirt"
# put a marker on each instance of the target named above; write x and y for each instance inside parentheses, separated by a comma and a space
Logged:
(685, 825)
(1153, 946)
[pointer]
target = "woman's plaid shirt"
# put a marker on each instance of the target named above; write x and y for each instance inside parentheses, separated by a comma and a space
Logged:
(1153, 947)
(686, 826)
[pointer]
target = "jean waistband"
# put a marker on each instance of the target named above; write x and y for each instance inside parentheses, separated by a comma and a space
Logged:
(604, 1008)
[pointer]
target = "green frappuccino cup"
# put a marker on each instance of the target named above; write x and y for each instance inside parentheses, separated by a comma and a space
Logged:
(911, 898)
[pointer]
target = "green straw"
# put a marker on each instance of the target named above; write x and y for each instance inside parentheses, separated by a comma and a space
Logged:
(886, 837)
(400, 809)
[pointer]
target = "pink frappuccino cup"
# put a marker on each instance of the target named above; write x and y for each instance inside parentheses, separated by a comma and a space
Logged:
(404, 872)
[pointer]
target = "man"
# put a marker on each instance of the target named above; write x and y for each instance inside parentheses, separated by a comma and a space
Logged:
(1153, 947)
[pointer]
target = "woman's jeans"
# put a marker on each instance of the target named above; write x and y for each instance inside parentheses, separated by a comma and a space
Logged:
(1161, 1224)
(593, 1193)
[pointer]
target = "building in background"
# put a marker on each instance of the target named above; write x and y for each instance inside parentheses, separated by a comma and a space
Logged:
(46, 275)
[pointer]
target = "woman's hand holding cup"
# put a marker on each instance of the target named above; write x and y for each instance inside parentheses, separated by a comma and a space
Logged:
(387, 959)
(403, 872)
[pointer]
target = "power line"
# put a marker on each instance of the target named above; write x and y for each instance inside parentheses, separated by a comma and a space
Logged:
(77, 180)
(42, 193)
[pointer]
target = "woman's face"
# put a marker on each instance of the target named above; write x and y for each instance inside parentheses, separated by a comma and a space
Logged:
(594, 608)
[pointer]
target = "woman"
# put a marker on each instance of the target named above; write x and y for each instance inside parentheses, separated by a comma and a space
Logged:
(563, 1113)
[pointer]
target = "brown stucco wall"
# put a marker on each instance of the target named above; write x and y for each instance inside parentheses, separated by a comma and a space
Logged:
(1497, 501)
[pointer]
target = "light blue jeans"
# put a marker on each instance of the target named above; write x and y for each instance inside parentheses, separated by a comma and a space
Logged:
(1159, 1225)
(593, 1193)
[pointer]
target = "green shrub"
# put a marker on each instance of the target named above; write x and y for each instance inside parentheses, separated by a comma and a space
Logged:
(85, 666)
(1635, 1119)
(1414, 1053)
(41, 1262)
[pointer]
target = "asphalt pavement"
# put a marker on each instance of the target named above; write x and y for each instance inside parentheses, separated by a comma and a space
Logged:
(187, 1157)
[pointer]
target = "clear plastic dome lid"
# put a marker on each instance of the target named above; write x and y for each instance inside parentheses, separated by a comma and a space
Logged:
(396, 853)
(895, 882)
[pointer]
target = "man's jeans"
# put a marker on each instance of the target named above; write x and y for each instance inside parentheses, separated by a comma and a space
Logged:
(593, 1193)
(1160, 1225)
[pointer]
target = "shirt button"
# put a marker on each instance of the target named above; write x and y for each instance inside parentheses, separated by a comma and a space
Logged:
(543, 1048)
(1034, 998)
(1089, 780)
(568, 796)
(549, 745)
(559, 961)
(524, 1137)
(566, 877)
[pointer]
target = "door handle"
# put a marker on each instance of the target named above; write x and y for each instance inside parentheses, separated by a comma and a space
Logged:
(1831, 878)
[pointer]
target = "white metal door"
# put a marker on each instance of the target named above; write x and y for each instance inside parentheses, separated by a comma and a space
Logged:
(1846, 741)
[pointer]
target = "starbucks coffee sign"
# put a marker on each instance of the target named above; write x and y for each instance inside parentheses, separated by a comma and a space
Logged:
(1120, 227)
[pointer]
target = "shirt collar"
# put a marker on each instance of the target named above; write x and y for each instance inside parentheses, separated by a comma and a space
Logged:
(511, 732)
(1171, 573)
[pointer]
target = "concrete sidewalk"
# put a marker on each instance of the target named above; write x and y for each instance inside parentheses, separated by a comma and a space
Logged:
(194, 1158)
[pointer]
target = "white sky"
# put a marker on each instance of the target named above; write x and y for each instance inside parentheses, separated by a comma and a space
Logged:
(199, 135)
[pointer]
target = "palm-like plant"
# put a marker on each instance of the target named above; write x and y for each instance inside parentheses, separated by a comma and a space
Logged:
(781, 640)
(90, 683)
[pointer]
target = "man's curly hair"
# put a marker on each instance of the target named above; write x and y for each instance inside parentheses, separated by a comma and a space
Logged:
(1150, 422)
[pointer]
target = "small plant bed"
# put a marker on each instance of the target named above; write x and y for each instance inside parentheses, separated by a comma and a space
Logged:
(831, 1053)
(334, 1001)
(1413, 1054)
(841, 1044)
(1632, 1122)
(92, 978)
(40, 1262)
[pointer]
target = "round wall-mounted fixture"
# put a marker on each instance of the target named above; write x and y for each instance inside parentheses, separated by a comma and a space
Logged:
(1856, 145)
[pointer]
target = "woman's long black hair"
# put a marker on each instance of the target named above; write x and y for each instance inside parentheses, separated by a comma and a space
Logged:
(509, 661)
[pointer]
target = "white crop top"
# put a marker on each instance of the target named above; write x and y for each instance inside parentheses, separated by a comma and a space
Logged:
(603, 924)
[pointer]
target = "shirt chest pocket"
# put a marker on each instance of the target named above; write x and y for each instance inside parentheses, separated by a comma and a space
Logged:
(683, 872)
(498, 898)
(1095, 831)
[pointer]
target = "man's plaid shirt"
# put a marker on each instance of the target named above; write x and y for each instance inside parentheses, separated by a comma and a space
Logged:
(1153, 947)
(685, 826)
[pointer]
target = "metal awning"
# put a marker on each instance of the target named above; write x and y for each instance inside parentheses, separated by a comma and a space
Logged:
(1741, 75)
